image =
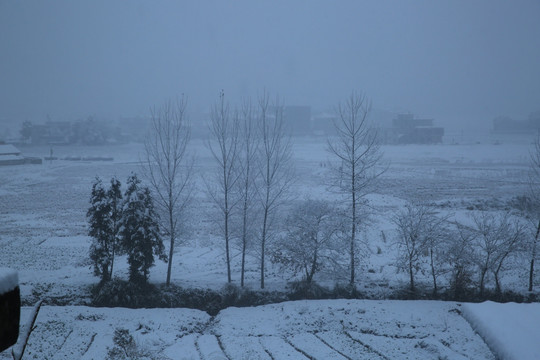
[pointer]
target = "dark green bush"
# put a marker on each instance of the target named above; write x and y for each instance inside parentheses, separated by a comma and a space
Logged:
(121, 293)
(300, 290)
(347, 291)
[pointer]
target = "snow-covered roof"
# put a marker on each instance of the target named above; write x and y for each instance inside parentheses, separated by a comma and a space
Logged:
(9, 149)
(9, 280)
(10, 157)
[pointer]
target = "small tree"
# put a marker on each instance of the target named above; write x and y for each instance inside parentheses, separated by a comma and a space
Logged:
(310, 242)
(459, 254)
(102, 247)
(358, 152)
(438, 234)
(532, 208)
(420, 232)
(141, 239)
(495, 238)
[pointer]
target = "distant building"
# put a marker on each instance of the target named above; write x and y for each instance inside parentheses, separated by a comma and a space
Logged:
(408, 130)
(10, 155)
(8, 149)
(505, 124)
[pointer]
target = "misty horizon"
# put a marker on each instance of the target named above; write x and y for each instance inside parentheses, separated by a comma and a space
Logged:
(458, 63)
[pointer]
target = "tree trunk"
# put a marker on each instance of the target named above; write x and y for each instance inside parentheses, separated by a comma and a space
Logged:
(244, 241)
(433, 275)
(497, 283)
(172, 234)
(531, 275)
(353, 228)
(482, 278)
(313, 268)
(112, 260)
(533, 256)
(411, 275)
(263, 244)
(227, 245)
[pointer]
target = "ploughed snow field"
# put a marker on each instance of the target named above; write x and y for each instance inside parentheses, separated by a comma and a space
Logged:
(43, 235)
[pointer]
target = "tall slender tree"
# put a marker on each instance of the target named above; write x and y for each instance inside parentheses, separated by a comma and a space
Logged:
(248, 178)
(225, 148)
(275, 170)
(169, 168)
(358, 152)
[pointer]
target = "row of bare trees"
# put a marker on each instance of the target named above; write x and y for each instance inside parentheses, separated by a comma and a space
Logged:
(250, 188)
(253, 172)
(484, 244)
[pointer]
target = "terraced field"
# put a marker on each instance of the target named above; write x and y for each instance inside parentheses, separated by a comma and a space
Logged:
(329, 329)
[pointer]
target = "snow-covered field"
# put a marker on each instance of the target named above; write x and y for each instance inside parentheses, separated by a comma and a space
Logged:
(43, 235)
(44, 228)
(318, 329)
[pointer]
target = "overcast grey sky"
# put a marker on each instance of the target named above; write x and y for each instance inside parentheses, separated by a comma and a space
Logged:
(445, 59)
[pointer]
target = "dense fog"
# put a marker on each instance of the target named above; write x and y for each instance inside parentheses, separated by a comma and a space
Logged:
(461, 63)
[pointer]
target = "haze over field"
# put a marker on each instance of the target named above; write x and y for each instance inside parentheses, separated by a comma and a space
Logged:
(198, 178)
(459, 62)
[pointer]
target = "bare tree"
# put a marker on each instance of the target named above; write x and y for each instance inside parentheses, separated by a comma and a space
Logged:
(532, 208)
(437, 234)
(495, 238)
(168, 167)
(310, 242)
(420, 233)
(224, 146)
(460, 256)
(529, 209)
(357, 149)
(275, 171)
(248, 177)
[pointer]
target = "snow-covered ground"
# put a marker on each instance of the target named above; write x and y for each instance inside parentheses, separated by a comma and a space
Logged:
(320, 329)
(44, 237)
(44, 228)
(511, 330)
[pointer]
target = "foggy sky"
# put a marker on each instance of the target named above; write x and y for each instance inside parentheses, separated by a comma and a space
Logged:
(453, 60)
